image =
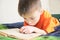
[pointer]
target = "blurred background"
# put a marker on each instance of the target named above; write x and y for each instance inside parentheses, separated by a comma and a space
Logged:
(9, 10)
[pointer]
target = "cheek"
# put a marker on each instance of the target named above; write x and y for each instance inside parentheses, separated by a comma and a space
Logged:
(37, 19)
(34, 22)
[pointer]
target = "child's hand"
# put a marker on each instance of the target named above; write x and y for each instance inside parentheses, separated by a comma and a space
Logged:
(31, 29)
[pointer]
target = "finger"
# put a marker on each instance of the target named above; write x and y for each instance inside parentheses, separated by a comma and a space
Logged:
(25, 31)
(21, 29)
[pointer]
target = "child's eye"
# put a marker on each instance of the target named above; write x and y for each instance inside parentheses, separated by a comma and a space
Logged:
(32, 18)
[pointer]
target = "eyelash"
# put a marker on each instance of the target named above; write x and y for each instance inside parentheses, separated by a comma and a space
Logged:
(32, 18)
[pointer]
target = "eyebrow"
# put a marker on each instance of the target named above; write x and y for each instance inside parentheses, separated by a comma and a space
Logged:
(24, 18)
(30, 17)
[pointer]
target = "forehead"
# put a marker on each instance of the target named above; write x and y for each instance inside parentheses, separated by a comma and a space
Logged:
(30, 13)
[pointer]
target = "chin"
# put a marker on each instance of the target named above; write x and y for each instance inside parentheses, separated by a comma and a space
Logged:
(32, 24)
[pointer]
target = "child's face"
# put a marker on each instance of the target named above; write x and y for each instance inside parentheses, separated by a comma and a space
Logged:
(32, 17)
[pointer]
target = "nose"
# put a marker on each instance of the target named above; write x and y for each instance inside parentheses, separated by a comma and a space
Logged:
(29, 22)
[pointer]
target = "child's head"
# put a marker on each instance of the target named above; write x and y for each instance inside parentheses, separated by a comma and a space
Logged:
(30, 10)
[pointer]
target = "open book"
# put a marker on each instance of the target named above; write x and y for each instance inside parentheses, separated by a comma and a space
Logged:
(16, 34)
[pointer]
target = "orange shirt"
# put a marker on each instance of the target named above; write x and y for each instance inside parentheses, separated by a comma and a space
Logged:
(46, 22)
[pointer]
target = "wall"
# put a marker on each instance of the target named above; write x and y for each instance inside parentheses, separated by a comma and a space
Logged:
(9, 11)
(45, 4)
(54, 6)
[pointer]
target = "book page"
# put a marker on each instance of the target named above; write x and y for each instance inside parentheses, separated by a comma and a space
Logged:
(16, 34)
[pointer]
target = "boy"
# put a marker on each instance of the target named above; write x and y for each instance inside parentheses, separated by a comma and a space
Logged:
(35, 18)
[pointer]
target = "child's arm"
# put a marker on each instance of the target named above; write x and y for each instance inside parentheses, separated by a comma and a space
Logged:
(31, 29)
